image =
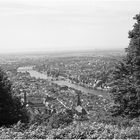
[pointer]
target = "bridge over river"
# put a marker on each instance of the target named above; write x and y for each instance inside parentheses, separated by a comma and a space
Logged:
(85, 90)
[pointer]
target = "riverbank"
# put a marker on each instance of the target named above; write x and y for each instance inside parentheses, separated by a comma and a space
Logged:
(84, 90)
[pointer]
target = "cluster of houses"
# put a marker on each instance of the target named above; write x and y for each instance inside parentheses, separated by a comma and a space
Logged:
(48, 104)
(39, 95)
(85, 71)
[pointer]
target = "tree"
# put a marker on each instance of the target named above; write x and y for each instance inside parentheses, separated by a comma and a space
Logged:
(11, 110)
(126, 87)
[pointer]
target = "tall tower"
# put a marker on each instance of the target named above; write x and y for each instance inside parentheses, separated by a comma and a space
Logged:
(78, 99)
(80, 111)
(25, 98)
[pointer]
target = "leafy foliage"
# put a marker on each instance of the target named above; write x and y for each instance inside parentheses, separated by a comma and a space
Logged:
(62, 118)
(77, 130)
(126, 88)
(11, 110)
(54, 120)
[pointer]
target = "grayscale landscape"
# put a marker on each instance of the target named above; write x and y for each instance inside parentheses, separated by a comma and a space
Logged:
(69, 69)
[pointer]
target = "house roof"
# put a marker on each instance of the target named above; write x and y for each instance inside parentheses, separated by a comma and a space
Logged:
(49, 98)
(36, 104)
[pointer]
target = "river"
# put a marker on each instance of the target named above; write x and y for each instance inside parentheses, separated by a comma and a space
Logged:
(37, 75)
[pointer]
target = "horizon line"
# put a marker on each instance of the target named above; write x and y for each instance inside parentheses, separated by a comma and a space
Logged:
(61, 51)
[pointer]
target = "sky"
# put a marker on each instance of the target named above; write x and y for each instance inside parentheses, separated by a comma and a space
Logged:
(61, 25)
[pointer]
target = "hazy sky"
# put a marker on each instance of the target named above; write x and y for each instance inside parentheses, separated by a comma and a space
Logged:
(47, 25)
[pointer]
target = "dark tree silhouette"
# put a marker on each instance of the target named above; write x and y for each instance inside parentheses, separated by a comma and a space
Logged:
(11, 110)
(126, 87)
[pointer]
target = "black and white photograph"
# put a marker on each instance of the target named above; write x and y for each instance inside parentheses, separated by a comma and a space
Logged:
(69, 69)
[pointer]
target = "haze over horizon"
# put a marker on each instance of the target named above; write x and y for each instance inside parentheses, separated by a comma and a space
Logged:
(62, 25)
